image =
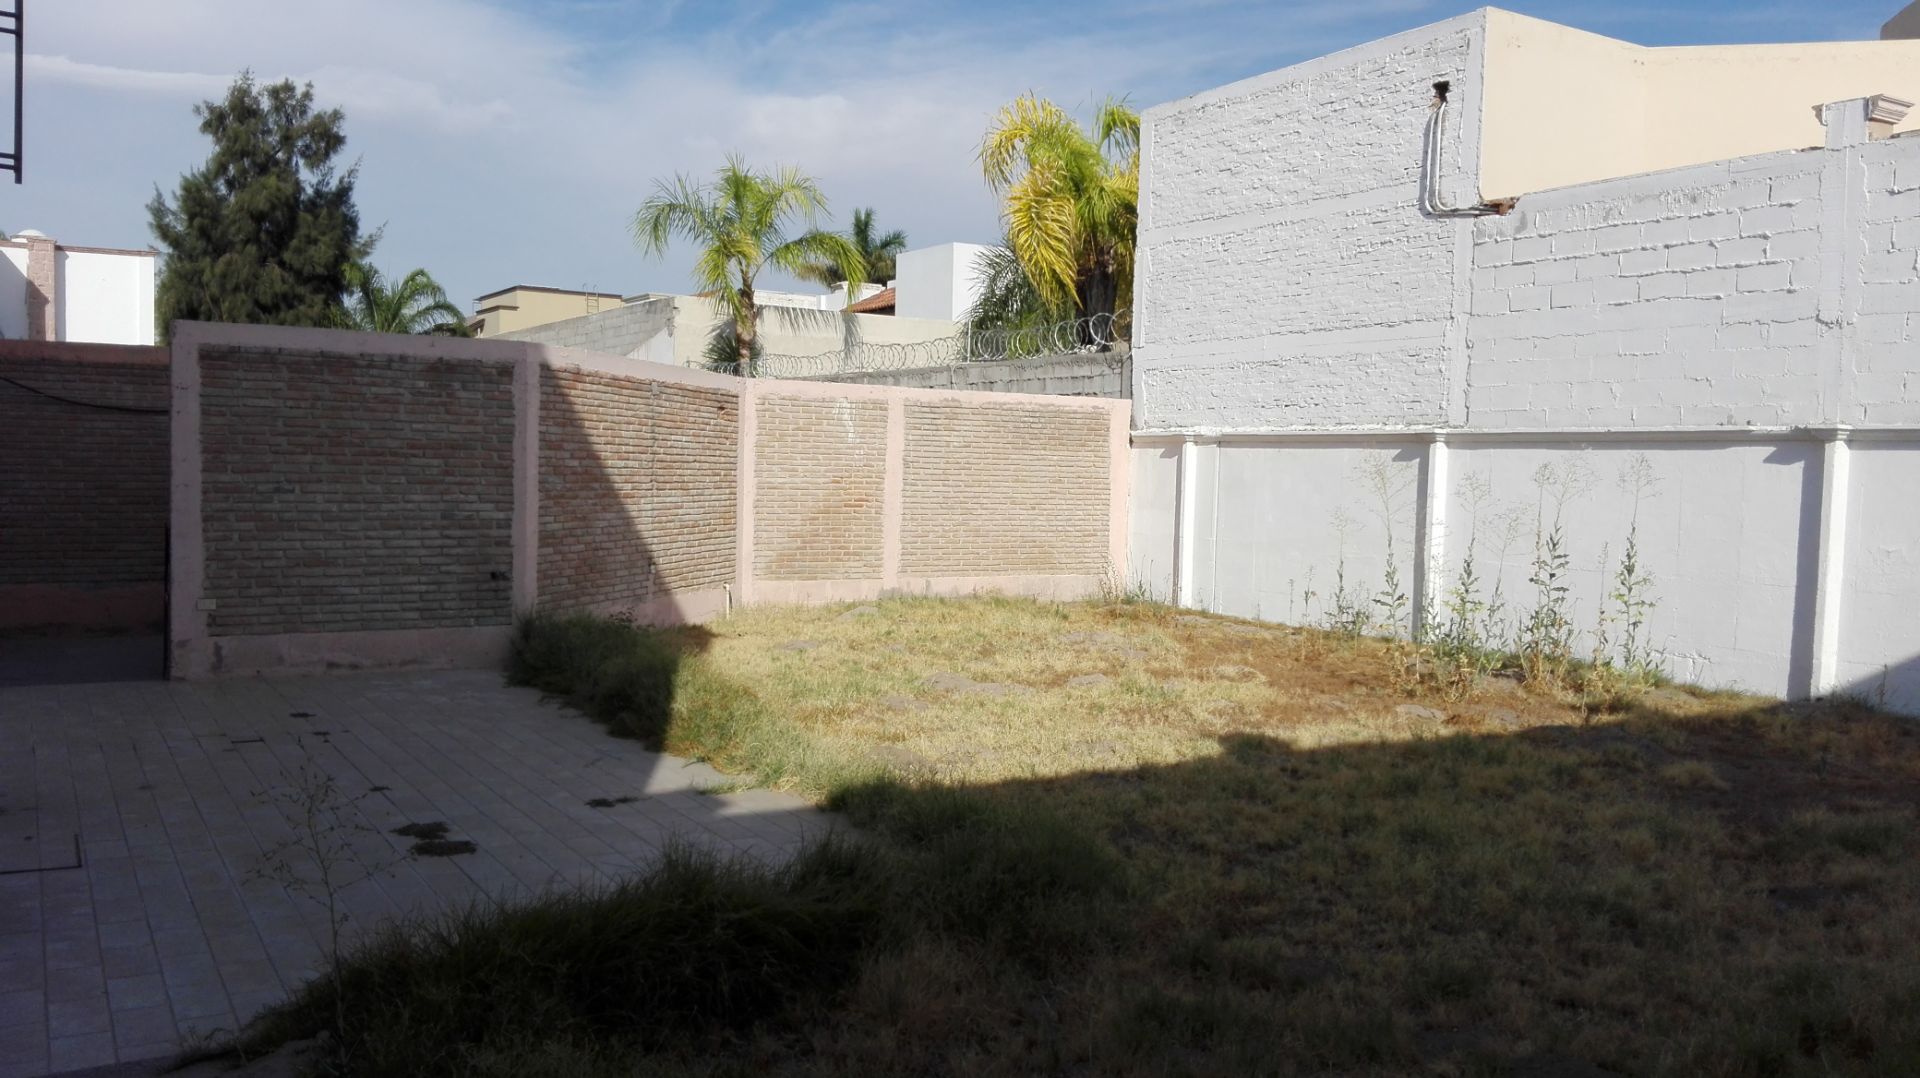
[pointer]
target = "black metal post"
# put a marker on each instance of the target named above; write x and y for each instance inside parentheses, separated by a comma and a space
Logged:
(11, 162)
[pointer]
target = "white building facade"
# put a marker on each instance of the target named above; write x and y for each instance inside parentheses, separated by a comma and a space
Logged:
(51, 291)
(1425, 297)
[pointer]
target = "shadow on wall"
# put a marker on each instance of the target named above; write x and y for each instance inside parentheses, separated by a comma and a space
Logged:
(1895, 687)
(638, 496)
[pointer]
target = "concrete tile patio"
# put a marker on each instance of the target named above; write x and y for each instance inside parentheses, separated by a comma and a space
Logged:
(136, 819)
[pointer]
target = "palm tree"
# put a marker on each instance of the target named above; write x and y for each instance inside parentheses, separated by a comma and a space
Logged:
(415, 305)
(1070, 199)
(877, 253)
(743, 223)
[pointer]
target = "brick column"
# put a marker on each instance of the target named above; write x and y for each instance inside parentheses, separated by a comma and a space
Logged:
(43, 289)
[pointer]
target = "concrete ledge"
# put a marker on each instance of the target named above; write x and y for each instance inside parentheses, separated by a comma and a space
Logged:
(75, 606)
(1034, 586)
(680, 608)
(475, 647)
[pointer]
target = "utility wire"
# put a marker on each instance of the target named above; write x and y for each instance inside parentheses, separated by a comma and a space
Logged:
(87, 404)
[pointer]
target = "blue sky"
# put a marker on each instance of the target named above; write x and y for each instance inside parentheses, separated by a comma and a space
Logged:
(510, 142)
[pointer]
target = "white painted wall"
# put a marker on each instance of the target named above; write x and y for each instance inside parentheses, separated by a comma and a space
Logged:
(940, 282)
(105, 297)
(13, 292)
(1300, 319)
(1880, 599)
(1154, 505)
(1285, 276)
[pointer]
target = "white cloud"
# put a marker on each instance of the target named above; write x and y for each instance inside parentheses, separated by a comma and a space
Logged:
(502, 144)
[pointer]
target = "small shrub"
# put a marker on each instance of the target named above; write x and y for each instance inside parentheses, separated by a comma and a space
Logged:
(1692, 775)
(693, 949)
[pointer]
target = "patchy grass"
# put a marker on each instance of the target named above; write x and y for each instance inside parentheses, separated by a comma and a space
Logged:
(1119, 839)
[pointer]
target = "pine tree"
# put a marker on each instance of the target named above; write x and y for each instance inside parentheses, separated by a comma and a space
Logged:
(265, 231)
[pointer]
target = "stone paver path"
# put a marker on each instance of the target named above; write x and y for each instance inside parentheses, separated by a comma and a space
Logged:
(135, 820)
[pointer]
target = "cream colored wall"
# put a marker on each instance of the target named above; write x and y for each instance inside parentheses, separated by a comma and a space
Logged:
(1562, 106)
(793, 331)
(539, 308)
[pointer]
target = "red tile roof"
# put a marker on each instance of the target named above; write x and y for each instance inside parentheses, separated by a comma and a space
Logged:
(880, 302)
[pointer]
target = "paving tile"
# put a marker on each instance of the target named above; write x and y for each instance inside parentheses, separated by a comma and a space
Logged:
(76, 983)
(77, 1052)
(23, 1049)
(20, 1007)
(72, 1017)
(169, 905)
(199, 999)
(143, 1026)
(126, 993)
(129, 961)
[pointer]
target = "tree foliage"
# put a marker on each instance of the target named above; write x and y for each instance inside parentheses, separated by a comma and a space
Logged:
(1069, 200)
(744, 222)
(264, 231)
(414, 304)
(878, 253)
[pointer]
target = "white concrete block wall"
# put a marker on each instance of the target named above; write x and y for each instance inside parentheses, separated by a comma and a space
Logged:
(1288, 526)
(1880, 635)
(1680, 298)
(13, 293)
(1750, 329)
(1153, 504)
(1887, 334)
(1720, 533)
(105, 296)
(1285, 274)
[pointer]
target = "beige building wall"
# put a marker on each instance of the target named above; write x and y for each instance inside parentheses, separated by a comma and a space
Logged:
(1562, 106)
(525, 306)
(795, 331)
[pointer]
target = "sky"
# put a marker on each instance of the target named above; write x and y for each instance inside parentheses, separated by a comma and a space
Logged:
(504, 142)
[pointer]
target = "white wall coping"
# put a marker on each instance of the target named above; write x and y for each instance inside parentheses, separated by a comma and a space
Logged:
(1529, 434)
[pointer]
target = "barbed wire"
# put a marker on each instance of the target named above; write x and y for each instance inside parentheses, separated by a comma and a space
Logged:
(1077, 336)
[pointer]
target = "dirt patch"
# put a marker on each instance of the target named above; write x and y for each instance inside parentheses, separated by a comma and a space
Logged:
(962, 685)
(900, 759)
(1101, 640)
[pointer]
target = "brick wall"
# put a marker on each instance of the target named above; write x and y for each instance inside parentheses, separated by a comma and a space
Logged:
(354, 492)
(83, 489)
(1001, 489)
(395, 501)
(819, 473)
(637, 495)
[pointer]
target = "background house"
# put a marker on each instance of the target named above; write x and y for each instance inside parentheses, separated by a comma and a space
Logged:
(808, 332)
(50, 291)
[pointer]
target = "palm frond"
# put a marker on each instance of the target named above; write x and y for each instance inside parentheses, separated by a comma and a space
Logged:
(816, 248)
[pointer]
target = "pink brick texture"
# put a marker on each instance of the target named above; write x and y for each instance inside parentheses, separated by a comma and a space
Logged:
(636, 488)
(83, 478)
(355, 492)
(347, 499)
(1004, 489)
(819, 474)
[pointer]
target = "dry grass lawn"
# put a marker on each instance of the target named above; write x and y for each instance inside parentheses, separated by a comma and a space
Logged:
(1335, 871)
